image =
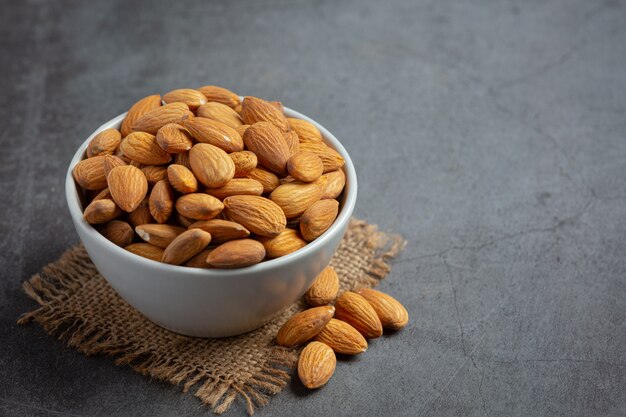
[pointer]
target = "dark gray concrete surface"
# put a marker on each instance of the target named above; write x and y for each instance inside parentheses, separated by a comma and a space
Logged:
(491, 134)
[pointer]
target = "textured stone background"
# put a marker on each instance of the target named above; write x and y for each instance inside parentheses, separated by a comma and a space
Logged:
(492, 135)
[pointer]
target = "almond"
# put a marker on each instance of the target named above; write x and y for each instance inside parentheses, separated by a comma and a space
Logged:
(294, 198)
(211, 165)
(128, 186)
(221, 95)
(182, 220)
(161, 202)
(101, 211)
(104, 143)
(356, 311)
(324, 288)
(255, 110)
(102, 194)
(112, 161)
(335, 182)
(138, 109)
(316, 365)
(146, 250)
(221, 230)
(118, 232)
(153, 120)
(286, 242)
(141, 215)
(307, 132)
(245, 161)
(182, 159)
(305, 166)
(89, 173)
(186, 246)
(342, 338)
(242, 129)
(257, 214)
(391, 313)
(236, 254)
(268, 180)
(237, 186)
(268, 143)
(199, 206)
(174, 138)
(142, 147)
(215, 133)
(318, 218)
(293, 142)
(199, 260)
(154, 173)
(304, 326)
(192, 98)
(182, 179)
(330, 157)
(221, 113)
(160, 235)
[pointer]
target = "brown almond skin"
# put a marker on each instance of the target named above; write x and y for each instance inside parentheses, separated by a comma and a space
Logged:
(304, 326)
(254, 109)
(101, 211)
(198, 206)
(128, 187)
(295, 198)
(236, 254)
(331, 159)
(192, 98)
(118, 232)
(215, 133)
(293, 142)
(305, 166)
(160, 235)
(182, 179)
(185, 246)
(391, 313)
(269, 146)
(342, 338)
(324, 289)
(220, 113)
(142, 147)
(237, 186)
(141, 215)
(138, 109)
(211, 165)
(199, 260)
(268, 180)
(161, 202)
(316, 365)
(146, 250)
(318, 218)
(335, 182)
(220, 95)
(155, 119)
(112, 161)
(307, 132)
(286, 242)
(174, 138)
(89, 173)
(242, 129)
(183, 159)
(221, 230)
(102, 194)
(356, 311)
(257, 214)
(154, 173)
(245, 161)
(104, 143)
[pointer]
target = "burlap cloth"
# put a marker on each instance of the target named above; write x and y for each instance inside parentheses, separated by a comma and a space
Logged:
(77, 306)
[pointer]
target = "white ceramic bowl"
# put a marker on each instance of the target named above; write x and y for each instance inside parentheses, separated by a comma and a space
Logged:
(211, 302)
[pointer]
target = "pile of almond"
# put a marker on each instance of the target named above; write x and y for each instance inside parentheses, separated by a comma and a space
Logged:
(342, 328)
(202, 179)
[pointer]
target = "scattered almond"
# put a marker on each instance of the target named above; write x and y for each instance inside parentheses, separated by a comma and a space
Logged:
(324, 289)
(342, 338)
(391, 313)
(316, 365)
(304, 326)
(356, 311)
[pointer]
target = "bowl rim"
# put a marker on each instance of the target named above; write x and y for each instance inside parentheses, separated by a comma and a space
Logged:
(73, 202)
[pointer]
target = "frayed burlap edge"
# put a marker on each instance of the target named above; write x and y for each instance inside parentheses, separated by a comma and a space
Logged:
(59, 280)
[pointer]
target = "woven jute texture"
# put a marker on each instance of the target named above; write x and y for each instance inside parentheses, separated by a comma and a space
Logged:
(77, 306)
